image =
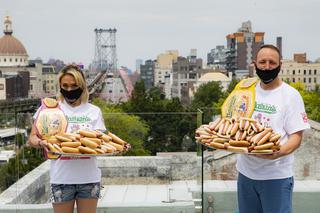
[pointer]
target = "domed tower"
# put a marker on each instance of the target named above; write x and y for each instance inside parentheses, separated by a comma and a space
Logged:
(12, 51)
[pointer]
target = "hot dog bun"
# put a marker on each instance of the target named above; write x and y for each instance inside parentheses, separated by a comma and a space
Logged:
(87, 133)
(66, 149)
(86, 150)
(264, 151)
(70, 144)
(88, 143)
(116, 139)
(57, 148)
(96, 140)
(52, 148)
(239, 143)
(237, 149)
(117, 146)
(63, 138)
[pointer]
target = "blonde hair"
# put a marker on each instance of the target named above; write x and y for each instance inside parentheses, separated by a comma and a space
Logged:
(78, 76)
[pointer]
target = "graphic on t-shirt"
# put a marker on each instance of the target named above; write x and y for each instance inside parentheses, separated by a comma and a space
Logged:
(304, 117)
(263, 119)
(265, 108)
(75, 127)
(78, 119)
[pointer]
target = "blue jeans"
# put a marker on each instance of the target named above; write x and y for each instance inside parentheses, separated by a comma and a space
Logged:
(67, 192)
(264, 196)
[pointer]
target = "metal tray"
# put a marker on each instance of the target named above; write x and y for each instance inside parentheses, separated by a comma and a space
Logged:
(59, 154)
(248, 153)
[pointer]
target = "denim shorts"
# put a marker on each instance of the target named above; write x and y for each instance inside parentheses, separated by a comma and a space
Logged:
(67, 192)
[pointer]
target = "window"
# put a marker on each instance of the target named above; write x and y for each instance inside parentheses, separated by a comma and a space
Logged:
(293, 72)
(298, 71)
(298, 79)
(10, 59)
(5, 60)
(110, 91)
(309, 80)
(315, 72)
(304, 80)
(309, 72)
(192, 75)
(293, 80)
(304, 72)
(315, 80)
(16, 60)
(20, 59)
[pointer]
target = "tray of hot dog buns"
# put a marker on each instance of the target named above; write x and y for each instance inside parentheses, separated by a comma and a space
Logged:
(87, 143)
(239, 135)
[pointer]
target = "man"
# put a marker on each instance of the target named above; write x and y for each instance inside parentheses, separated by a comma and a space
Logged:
(265, 182)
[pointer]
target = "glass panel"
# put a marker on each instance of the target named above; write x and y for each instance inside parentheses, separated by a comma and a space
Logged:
(219, 176)
(162, 169)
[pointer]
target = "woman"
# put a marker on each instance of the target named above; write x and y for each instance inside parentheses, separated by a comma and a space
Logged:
(74, 180)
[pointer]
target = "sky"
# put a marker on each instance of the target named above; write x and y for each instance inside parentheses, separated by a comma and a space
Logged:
(64, 29)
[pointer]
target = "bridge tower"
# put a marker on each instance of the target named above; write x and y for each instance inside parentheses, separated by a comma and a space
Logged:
(105, 57)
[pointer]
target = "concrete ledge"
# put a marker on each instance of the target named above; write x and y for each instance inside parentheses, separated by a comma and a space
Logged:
(29, 189)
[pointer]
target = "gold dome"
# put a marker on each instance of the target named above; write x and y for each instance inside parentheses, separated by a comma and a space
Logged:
(9, 45)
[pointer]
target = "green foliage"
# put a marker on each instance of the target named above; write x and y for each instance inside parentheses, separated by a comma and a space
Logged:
(168, 120)
(26, 159)
(208, 98)
(128, 127)
(311, 100)
(206, 95)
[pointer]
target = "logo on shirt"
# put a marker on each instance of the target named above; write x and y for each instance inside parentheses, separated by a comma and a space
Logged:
(266, 108)
(78, 119)
(304, 117)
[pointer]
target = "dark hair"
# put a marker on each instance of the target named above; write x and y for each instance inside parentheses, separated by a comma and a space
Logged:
(270, 46)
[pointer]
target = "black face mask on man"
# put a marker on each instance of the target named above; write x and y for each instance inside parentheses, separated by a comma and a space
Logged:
(267, 76)
(72, 95)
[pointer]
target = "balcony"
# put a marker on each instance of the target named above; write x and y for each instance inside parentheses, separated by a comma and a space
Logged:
(188, 179)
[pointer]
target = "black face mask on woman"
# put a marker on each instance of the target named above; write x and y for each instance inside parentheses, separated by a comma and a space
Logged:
(267, 76)
(72, 95)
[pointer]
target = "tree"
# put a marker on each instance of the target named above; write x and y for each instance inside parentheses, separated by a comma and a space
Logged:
(168, 126)
(26, 159)
(207, 99)
(128, 127)
(311, 100)
(206, 95)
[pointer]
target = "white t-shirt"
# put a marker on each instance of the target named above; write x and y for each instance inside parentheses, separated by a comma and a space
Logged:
(78, 170)
(283, 110)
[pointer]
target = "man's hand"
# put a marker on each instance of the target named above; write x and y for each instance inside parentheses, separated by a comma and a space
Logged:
(293, 143)
(272, 156)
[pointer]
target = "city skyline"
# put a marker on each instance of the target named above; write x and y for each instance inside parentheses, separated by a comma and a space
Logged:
(65, 29)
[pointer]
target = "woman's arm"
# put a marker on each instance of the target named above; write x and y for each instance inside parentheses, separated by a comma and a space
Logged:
(34, 140)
